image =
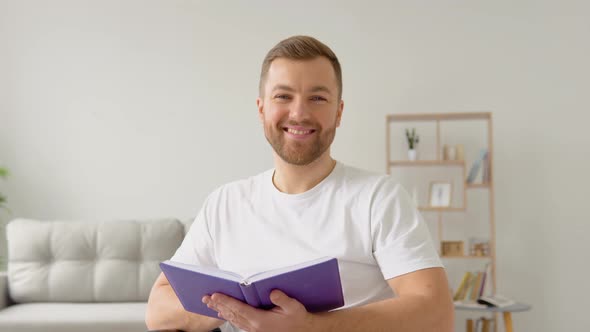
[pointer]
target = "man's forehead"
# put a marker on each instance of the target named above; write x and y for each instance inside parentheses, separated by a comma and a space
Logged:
(318, 63)
(318, 74)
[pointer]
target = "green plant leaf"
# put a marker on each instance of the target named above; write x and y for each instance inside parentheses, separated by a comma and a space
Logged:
(3, 172)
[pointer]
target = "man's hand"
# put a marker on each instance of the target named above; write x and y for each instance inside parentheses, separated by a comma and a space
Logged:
(289, 315)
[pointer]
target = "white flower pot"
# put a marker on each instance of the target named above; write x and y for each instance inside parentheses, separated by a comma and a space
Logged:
(412, 154)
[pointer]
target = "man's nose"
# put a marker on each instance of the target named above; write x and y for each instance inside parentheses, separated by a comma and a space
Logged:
(298, 110)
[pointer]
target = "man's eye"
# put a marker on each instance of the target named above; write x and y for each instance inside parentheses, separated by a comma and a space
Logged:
(318, 98)
(284, 97)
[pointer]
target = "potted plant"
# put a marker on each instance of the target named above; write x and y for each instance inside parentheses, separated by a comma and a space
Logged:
(413, 140)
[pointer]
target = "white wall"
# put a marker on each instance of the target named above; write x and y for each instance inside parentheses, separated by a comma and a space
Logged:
(132, 109)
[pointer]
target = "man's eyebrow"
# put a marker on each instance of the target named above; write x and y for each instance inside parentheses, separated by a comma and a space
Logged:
(320, 88)
(282, 87)
(317, 88)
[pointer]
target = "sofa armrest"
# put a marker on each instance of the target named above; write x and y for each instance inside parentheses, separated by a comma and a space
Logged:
(3, 290)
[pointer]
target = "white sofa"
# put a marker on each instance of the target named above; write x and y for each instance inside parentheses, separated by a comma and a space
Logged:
(83, 276)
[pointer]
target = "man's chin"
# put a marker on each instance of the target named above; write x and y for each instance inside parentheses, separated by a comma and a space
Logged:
(297, 160)
(301, 158)
(296, 153)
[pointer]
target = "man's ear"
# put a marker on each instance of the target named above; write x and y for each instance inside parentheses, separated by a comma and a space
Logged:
(260, 105)
(339, 113)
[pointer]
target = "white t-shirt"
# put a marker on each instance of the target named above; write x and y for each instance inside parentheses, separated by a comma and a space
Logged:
(367, 221)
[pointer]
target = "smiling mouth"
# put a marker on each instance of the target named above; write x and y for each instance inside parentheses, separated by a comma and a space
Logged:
(299, 132)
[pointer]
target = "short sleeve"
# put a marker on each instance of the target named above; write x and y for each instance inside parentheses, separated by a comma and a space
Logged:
(197, 246)
(401, 240)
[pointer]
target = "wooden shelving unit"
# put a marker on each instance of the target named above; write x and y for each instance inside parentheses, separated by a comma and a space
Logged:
(439, 118)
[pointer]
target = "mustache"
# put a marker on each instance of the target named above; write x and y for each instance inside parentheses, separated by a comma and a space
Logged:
(305, 123)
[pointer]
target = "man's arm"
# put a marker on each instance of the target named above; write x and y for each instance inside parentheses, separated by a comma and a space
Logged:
(165, 312)
(423, 303)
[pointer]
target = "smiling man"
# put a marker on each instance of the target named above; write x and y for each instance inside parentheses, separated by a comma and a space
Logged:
(310, 206)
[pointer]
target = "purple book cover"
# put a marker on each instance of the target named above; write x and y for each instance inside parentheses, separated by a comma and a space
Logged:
(316, 284)
(483, 284)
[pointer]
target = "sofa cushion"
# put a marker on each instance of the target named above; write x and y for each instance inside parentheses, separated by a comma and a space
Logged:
(58, 261)
(69, 317)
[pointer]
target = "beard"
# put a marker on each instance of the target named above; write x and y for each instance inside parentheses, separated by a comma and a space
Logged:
(295, 152)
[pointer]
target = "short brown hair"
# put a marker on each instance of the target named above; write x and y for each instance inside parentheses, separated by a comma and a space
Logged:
(301, 48)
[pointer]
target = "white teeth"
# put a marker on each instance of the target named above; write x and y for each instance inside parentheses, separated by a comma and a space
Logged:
(298, 132)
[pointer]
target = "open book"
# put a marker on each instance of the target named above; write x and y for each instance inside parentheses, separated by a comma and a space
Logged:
(316, 284)
(497, 301)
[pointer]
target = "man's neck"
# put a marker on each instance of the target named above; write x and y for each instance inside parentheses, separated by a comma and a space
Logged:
(293, 179)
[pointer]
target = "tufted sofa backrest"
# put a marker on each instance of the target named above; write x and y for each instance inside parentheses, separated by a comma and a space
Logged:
(57, 261)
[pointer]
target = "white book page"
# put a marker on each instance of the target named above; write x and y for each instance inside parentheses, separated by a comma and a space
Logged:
(267, 274)
(498, 300)
(469, 304)
(209, 270)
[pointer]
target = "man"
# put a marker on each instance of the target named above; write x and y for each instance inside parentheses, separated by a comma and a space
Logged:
(307, 207)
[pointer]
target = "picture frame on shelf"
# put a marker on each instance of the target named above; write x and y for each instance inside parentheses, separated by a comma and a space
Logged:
(440, 194)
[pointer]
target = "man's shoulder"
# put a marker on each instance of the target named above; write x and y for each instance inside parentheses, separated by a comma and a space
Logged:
(366, 179)
(242, 187)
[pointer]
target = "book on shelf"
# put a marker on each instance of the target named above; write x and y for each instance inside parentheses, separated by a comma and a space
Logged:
(474, 294)
(469, 305)
(485, 176)
(482, 284)
(473, 286)
(316, 284)
(490, 301)
(477, 164)
(487, 288)
(459, 292)
(497, 301)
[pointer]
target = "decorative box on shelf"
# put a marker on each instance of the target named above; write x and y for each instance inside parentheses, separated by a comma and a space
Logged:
(451, 248)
